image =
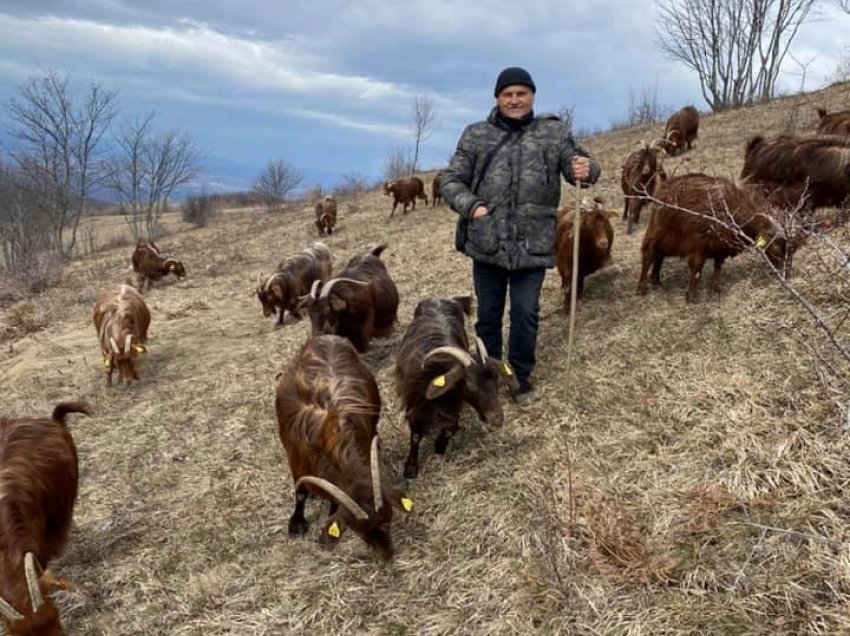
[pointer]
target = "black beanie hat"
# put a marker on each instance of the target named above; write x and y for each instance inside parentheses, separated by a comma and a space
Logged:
(514, 75)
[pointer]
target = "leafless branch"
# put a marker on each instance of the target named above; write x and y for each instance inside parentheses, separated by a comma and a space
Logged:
(275, 182)
(422, 122)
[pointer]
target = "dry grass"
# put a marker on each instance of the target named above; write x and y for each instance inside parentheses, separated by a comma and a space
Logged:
(709, 450)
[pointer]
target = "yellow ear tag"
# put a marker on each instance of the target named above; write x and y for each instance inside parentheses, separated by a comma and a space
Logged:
(760, 242)
(508, 371)
(106, 363)
(139, 349)
(333, 530)
(171, 268)
(407, 504)
(439, 381)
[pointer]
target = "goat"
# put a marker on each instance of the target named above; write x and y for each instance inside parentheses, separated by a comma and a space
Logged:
(406, 191)
(327, 405)
(151, 266)
(436, 195)
(681, 130)
(282, 290)
(702, 217)
(326, 210)
(435, 374)
(833, 123)
(358, 303)
(38, 489)
(641, 175)
(120, 315)
(595, 239)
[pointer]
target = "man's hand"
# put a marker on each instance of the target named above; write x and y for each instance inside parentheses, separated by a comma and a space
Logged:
(480, 211)
(581, 168)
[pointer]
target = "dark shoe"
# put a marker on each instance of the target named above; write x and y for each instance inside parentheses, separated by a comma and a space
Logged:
(525, 395)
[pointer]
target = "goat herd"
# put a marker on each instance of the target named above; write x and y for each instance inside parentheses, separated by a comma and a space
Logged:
(327, 400)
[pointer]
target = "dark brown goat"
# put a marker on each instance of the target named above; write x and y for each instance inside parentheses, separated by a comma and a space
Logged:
(38, 490)
(436, 194)
(435, 374)
(358, 303)
(595, 239)
(800, 172)
(641, 176)
(326, 215)
(121, 319)
(833, 123)
(681, 130)
(151, 266)
(327, 405)
(295, 275)
(704, 217)
(406, 191)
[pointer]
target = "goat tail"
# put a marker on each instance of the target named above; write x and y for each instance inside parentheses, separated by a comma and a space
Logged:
(63, 408)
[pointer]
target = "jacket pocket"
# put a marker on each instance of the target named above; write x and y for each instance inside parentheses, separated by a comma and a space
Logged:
(483, 234)
(540, 235)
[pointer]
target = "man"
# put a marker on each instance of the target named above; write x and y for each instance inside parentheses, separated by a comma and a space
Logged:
(504, 182)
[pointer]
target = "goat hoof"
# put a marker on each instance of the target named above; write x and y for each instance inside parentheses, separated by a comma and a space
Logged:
(298, 527)
(411, 471)
(440, 445)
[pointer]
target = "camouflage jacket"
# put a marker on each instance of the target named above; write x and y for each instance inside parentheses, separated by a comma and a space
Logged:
(521, 189)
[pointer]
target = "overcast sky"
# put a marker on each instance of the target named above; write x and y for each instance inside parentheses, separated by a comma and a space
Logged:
(328, 85)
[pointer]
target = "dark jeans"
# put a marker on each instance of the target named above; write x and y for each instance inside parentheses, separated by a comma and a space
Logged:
(491, 284)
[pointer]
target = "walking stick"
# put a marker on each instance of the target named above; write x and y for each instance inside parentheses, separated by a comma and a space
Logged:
(574, 282)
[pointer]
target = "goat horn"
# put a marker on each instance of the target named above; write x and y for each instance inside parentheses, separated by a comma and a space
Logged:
(377, 492)
(9, 612)
(334, 491)
(113, 344)
(482, 350)
(127, 342)
(327, 288)
(456, 352)
(30, 567)
(314, 289)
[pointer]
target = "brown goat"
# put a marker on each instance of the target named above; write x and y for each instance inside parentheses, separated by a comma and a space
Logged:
(681, 130)
(327, 405)
(406, 191)
(326, 210)
(833, 123)
(121, 319)
(800, 172)
(595, 239)
(436, 194)
(295, 275)
(151, 266)
(38, 489)
(641, 176)
(703, 217)
(435, 374)
(358, 303)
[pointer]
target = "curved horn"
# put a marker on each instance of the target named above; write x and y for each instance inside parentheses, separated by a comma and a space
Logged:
(482, 350)
(127, 342)
(344, 500)
(9, 612)
(30, 567)
(113, 344)
(333, 281)
(377, 492)
(314, 289)
(456, 352)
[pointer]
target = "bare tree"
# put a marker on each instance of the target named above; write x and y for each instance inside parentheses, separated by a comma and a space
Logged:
(422, 124)
(736, 46)
(58, 148)
(277, 180)
(149, 168)
(643, 106)
(844, 5)
(398, 164)
(567, 114)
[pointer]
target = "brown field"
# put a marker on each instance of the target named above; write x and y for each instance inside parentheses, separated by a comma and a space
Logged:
(705, 446)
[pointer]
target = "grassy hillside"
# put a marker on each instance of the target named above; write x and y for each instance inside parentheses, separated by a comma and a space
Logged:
(691, 481)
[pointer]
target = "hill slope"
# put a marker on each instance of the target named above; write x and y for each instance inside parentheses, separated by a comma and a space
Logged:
(704, 447)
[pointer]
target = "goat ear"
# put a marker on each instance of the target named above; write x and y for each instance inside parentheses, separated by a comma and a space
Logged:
(508, 374)
(337, 303)
(48, 582)
(465, 303)
(333, 531)
(277, 290)
(442, 383)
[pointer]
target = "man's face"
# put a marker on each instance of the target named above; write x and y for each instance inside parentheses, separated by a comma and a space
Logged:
(515, 101)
